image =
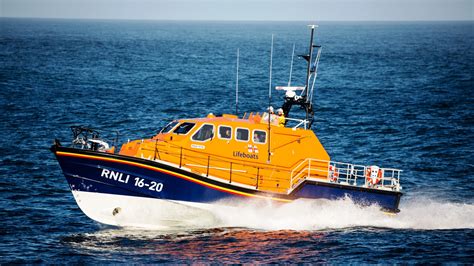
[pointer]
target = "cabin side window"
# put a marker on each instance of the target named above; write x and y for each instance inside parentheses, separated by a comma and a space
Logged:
(169, 127)
(242, 134)
(259, 136)
(225, 132)
(184, 128)
(206, 132)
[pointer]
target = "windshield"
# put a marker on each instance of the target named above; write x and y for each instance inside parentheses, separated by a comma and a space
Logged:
(204, 133)
(184, 128)
(169, 127)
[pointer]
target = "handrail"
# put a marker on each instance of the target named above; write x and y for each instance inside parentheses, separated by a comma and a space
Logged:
(89, 138)
(225, 159)
(233, 170)
(346, 174)
(303, 122)
(274, 121)
(308, 168)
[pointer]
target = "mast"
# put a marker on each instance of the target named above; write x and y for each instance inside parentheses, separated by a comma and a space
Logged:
(304, 100)
(310, 58)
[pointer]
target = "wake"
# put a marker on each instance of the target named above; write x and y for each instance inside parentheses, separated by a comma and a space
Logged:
(324, 214)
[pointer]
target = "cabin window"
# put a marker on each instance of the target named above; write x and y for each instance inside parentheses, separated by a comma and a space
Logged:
(242, 134)
(206, 132)
(225, 132)
(184, 128)
(259, 136)
(169, 127)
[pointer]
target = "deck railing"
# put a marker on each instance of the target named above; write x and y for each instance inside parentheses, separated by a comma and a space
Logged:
(288, 178)
(213, 166)
(346, 174)
(292, 123)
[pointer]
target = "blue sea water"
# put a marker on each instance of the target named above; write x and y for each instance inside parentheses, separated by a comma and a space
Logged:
(395, 94)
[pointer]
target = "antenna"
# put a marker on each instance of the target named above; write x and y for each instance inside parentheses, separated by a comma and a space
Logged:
(237, 86)
(270, 81)
(310, 59)
(315, 75)
(291, 65)
(270, 99)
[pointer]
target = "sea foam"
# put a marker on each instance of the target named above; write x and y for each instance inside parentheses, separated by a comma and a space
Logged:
(416, 213)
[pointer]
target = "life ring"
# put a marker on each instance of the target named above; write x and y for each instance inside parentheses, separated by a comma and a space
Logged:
(373, 175)
(333, 173)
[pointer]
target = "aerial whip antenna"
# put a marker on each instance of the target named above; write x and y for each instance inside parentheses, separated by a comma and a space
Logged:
(315, 75)
(270, 99)
(237, 86)
(291, 65)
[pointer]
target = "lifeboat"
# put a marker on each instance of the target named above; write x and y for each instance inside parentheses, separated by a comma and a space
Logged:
(195, 163)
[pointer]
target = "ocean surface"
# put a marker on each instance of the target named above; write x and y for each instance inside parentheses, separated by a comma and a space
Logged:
(394, 94)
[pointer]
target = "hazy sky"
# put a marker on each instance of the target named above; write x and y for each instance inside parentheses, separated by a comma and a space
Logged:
(314, 10)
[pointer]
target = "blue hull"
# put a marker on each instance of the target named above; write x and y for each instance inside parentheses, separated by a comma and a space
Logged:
(129, 176)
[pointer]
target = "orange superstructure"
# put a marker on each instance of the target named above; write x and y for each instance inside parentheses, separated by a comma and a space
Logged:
(247, 150)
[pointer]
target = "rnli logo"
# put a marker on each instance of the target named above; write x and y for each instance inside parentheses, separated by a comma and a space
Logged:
(252, 149)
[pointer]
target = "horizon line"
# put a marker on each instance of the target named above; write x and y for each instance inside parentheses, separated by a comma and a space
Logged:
(237, 20)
